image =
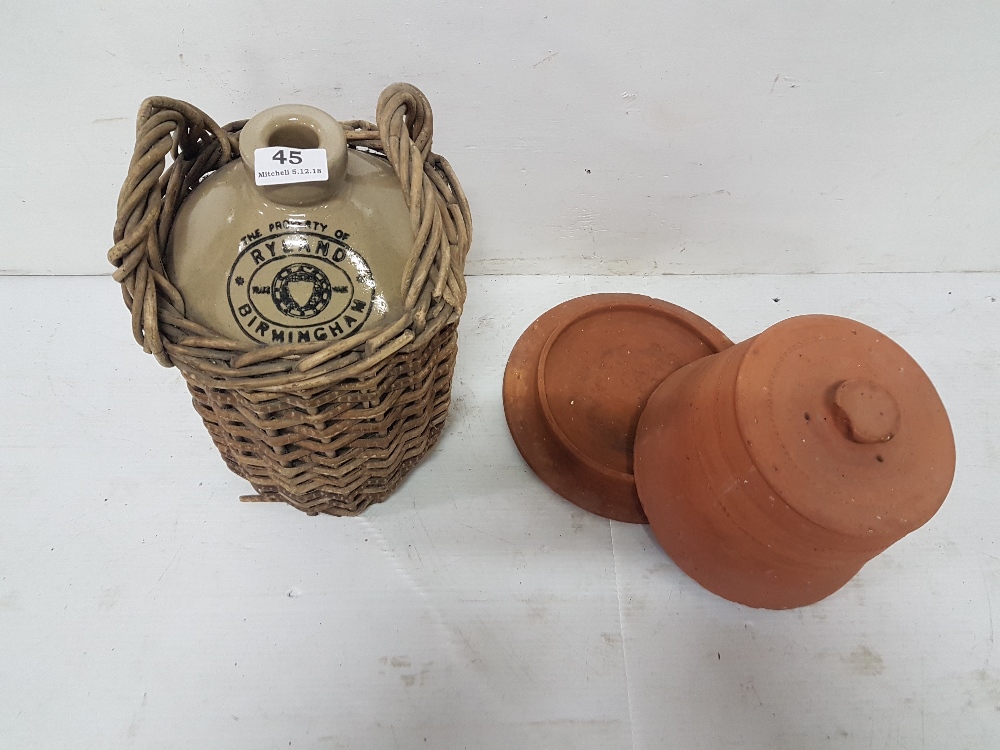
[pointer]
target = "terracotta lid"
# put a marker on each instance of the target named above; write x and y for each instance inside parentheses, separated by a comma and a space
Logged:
(845, 426)
(577, 381)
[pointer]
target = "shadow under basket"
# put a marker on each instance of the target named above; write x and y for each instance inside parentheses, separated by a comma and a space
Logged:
(325, 427)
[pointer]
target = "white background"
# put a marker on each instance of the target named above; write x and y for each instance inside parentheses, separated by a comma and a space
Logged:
(720, 135)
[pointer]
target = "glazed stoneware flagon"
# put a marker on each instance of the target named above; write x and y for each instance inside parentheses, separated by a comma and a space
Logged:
(576, 383)
(293, 263)
(773, 471)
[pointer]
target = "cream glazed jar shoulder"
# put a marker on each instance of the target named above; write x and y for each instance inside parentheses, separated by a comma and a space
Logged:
(303, 262)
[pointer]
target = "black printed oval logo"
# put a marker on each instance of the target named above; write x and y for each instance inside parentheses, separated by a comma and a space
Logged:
(300, 287)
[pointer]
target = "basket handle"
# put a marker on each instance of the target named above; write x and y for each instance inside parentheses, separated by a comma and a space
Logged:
(149, 198)
(439, 212)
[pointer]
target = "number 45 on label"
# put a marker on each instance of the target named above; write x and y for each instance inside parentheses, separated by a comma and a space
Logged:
(294, 156)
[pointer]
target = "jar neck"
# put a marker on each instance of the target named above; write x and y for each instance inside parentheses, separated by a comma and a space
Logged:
(296, 126)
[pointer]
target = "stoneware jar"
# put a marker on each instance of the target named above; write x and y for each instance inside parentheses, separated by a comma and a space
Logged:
(772, 471)
(297, 262)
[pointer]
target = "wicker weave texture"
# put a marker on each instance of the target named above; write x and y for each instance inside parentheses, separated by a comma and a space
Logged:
(326, 429)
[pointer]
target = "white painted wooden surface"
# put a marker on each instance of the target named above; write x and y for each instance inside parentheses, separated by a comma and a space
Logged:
(614, 136)
(143, 606)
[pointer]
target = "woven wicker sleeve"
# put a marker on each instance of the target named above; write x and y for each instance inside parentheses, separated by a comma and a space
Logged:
(326, 428)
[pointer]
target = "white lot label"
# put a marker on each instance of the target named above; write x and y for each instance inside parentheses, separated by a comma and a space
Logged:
(279, 165)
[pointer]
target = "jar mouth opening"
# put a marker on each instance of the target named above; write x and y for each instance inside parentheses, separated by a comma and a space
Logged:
(292, 127)
(294, 135)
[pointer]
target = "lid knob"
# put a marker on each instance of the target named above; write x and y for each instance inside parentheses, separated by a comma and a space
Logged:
(867, 411)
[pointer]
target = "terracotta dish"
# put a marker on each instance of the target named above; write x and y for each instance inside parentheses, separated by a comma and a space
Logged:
(577, 381)
(773, 471)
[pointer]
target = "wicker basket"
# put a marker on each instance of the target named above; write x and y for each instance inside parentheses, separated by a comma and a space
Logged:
(327, 429)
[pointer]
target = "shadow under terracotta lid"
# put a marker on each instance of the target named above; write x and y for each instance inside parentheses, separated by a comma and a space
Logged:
(577, 381)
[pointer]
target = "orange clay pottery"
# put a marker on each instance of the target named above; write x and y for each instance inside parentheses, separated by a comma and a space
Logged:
(576, 383)
(774, 470)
